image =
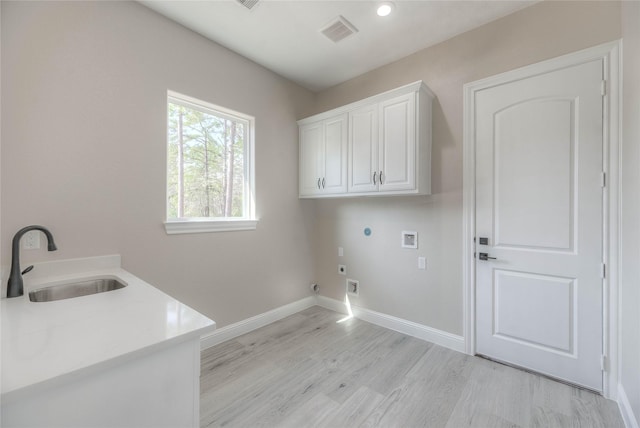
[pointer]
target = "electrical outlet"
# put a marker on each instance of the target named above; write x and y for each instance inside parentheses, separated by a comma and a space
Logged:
(31, 240)
(342, 269)
(422, 263)
(353, 287)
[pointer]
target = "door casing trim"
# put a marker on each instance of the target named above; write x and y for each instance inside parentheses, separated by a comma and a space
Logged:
(611, 54)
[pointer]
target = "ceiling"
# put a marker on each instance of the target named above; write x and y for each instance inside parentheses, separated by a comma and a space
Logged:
(285, 37)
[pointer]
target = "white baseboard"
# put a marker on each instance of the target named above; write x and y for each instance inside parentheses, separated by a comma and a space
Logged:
(332, 304)
(628, 417)
(420, 331)
(245, 326)
(400, 325)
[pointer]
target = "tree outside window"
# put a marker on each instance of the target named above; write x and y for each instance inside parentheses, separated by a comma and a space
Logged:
(208, 171)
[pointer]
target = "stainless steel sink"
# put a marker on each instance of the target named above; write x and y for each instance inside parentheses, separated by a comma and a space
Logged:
(75, 289)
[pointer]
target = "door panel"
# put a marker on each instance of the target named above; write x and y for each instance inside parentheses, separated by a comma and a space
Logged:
(534, 155)
(397, 145)
(335, 155)
(539, 159)
(520, 297)
(311, 158)
(363, 149)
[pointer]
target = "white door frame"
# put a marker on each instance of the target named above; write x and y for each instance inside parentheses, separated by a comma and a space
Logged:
(611, 55)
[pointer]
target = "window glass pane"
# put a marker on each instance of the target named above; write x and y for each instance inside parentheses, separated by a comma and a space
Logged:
(206, 163)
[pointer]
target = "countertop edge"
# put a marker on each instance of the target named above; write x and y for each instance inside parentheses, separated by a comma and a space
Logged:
(79, 373)
(65, 270)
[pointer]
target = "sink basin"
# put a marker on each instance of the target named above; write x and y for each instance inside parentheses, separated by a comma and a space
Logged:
(75, 289)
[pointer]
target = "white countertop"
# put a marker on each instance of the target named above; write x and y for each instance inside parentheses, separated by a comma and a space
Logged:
(48, 342)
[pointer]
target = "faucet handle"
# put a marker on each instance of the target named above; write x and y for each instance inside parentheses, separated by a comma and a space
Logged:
(27, 270)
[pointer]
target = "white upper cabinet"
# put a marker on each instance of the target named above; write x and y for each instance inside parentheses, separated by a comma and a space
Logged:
(398, 156)
(363, 149)
(310, 158)
(323, 157)
(389, 146)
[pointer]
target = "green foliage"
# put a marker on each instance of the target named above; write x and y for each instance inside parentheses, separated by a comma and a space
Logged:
(211, 165)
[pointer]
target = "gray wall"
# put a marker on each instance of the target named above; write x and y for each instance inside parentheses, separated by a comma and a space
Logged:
(630, 213)
(389, 279)
(84, 152)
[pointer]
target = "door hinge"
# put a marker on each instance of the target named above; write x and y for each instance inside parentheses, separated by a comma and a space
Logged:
(603, 179)
(603, 271)
(603, 363)
(603, 88)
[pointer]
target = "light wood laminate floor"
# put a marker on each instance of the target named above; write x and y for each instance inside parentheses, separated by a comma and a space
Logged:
(308, 370)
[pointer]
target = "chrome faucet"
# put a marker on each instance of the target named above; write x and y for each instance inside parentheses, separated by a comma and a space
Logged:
(14, 287)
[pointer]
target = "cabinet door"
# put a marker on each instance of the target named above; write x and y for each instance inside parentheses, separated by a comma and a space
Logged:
(311, 158)
(334, 178)
(398, 143)
(363, 149)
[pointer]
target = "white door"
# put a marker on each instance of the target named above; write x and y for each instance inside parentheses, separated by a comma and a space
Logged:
(334, 178)
(363, 149)
(398, 143)
(539, 204)
(311, 158)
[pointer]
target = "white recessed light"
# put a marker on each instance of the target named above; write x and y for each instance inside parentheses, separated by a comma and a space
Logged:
(385, 8)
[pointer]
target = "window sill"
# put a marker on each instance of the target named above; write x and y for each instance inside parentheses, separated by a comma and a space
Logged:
(205, 226)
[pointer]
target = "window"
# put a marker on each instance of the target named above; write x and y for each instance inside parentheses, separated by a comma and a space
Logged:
(209, 167)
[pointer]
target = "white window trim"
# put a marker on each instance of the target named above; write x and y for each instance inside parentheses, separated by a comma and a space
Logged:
(218, 224)
(208, 225)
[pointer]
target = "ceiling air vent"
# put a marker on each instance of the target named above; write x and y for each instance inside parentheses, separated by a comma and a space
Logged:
(338, 29)
(248, 3)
